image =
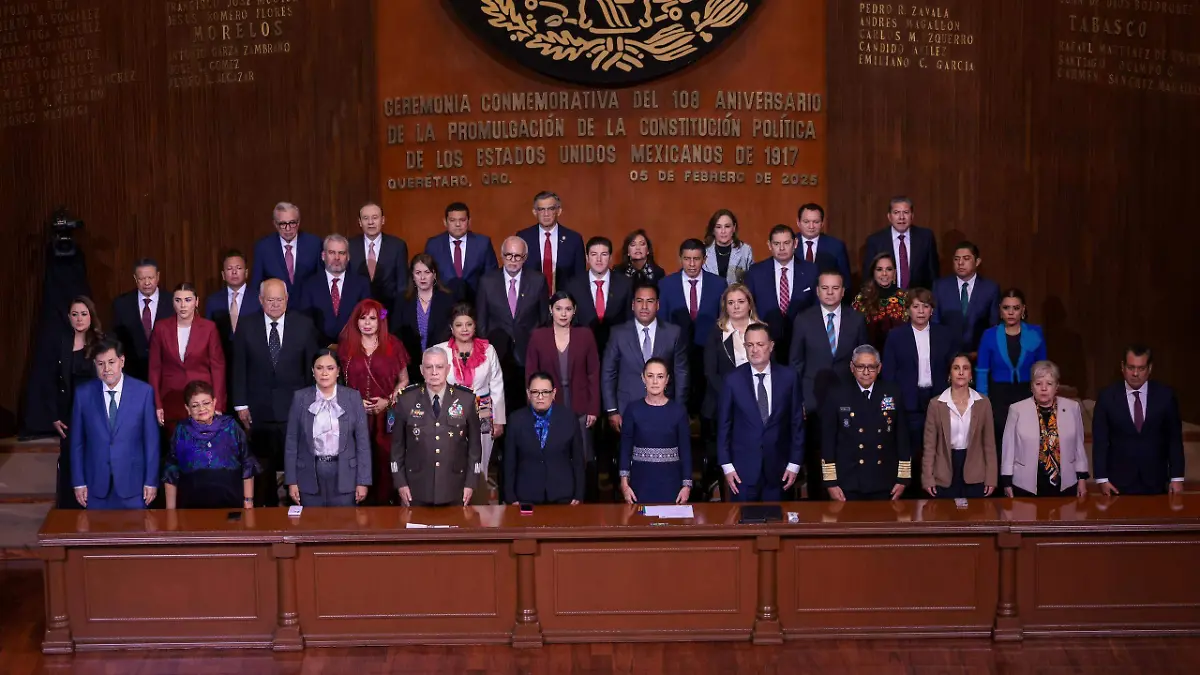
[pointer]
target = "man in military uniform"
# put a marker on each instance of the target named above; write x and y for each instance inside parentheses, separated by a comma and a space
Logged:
(436, 443)
(864, 440)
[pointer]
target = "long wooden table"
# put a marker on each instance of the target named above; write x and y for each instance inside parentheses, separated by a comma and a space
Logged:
(363, 576)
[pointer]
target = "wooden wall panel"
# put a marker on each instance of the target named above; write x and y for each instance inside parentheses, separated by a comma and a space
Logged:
(1077, 192)
(180, 173)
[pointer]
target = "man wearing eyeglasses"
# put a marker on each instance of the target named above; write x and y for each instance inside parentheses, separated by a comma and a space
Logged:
(555, 251)
(543, 450)
(289, 255)
(510, 304)
(865, 453)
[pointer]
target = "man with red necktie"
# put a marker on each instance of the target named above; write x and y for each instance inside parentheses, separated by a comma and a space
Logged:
(602, 299)
(134, 316)
(691, 299)
(554, 251)
(289, 255)
(329, 298)
(914, 248)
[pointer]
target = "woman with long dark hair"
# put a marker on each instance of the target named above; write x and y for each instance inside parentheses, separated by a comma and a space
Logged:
(421, 317)
(638, 263)
(727, 256)
(881, 301)
(184, 348)
(74, 368)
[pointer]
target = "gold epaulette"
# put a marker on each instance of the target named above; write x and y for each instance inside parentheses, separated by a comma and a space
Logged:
(905, 470)
(828, 470)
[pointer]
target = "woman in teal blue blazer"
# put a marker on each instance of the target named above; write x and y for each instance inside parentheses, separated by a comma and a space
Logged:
(1007, 353)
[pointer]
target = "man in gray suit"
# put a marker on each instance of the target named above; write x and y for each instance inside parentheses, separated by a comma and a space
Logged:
(630, 345)
(823, 340)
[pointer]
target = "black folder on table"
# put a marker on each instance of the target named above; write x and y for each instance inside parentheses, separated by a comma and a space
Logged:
(761, 513)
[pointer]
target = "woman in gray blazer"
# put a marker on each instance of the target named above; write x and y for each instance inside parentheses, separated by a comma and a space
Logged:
(1042, 454)
(327, 454)
(726, 255)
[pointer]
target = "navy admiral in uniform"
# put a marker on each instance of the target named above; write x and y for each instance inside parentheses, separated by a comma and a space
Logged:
(435, 446)
(865, 450)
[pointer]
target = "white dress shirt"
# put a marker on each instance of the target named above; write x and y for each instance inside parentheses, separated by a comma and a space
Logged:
(642, 335)
(791, 277)
(463, 248)
(969, 283)
(766, 381)
(326, 432)
(183, 334)
(283, 244)
(607, 279)
(104, 389)
(512, 277)
(896, 251)
(241, 297)
(330, 276)
(837, 323)
(924, 369)
(687, 289)
(739, 344)
(1144, 390)
(868, 389)
(153, 307)
(541, 245)
(378, 241)
(960, 424)
(802, 252)
(279, 328)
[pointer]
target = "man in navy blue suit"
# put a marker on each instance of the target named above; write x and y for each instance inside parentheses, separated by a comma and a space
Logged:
(554, 251)
(114, 436)
(914, 248)
(760, 424)
(825, 251)
(691, 299)
(235, 300)
(783, 271)
(290, 255)
(966, 303)
(462, 256)
(329, 298)
(1137, 432)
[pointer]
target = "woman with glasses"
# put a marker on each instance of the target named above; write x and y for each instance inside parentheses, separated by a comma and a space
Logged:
(656, 444)
(543, 449)
(638, 263)
(208, 465)
(568, 353)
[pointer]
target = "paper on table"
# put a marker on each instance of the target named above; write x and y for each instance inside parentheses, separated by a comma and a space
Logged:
(670, 511)
(420, 526)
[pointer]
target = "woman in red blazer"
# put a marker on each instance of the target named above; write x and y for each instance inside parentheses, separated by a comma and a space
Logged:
(568, 353)
(183, 348)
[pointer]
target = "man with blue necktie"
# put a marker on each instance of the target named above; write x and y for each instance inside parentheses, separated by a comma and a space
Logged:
(114, 436)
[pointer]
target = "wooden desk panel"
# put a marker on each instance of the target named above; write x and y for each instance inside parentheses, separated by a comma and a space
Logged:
(399, 594)
(199, 596)
(602, 572)
(646, 590)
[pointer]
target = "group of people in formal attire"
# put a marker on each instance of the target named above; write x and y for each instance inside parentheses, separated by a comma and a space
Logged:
(336, 371)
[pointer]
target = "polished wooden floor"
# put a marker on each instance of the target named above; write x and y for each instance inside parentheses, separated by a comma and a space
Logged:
(21, 631)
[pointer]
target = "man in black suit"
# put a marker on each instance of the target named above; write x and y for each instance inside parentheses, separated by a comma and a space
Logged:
(273, 354)
(823, 338)
(565, 247)
(864, 440)
(543, 450)
(134, 316)
(602, 299)
(1137, 432)
(914, 248)
(381, 258)
(510, 304)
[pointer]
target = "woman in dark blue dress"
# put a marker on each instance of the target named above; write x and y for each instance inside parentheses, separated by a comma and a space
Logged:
(656, 446)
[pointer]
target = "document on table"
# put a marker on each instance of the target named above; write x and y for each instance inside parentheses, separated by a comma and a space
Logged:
(420, 526)
(670, 511)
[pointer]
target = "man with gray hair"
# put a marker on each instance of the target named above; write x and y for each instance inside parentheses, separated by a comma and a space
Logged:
(329, 298)
(290, 255)
(865, 451)
(555, 252)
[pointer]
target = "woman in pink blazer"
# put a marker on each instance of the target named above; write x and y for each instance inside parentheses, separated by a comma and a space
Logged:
(1043, 453)
(184, 348)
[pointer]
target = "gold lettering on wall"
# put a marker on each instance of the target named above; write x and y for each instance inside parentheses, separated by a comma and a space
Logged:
(923, 37)
(52, 61)
(1125, 45)
(679, 136)
(222, 42)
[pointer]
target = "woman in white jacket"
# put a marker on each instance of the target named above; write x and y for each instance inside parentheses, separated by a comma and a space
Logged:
(474, 364)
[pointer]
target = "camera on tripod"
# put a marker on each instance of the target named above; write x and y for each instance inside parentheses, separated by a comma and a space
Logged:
(62, 226)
